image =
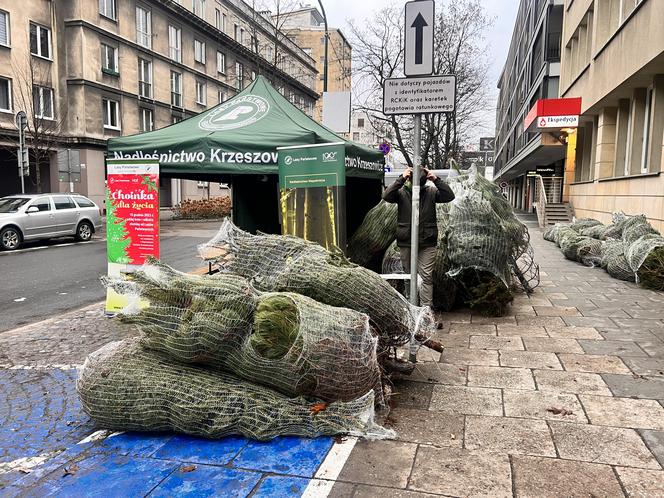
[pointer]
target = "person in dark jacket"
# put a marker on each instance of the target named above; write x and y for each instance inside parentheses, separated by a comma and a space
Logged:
(400, 193)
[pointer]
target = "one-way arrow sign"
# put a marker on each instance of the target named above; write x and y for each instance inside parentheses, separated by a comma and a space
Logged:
(418, 46)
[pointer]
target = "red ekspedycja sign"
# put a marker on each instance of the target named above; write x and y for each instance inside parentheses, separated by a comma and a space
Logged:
(553, 108)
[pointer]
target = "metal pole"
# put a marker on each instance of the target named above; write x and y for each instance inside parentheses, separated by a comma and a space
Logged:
(415, 226)
(71, 180)
(326, 39)
(20, 166)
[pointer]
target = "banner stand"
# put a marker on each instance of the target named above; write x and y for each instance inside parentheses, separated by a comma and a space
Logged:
(132, 220)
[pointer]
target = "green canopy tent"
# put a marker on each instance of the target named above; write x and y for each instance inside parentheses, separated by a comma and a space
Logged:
(237, 142)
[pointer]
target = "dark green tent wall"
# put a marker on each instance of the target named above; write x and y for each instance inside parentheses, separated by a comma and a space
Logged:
(238, 137)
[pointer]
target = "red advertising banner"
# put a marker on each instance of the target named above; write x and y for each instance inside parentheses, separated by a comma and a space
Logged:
(132, 218)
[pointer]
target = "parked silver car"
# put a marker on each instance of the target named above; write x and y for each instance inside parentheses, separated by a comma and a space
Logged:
(45, 216)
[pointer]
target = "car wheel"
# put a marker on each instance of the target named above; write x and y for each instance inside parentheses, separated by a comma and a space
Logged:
(84, 231)
(10, 238)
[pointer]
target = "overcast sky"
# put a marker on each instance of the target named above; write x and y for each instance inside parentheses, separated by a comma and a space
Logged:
(498, 39)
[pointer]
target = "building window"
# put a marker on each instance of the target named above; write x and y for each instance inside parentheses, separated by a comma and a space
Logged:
(145, 78)
(109, 59)
(42, 102)
(221, 62)
(143, 27)
(175, 119)
(40, 41)
(647, 130)
(107, 8)
(222, 96)
(356, 136)
(176, 89)
(111, 110)
(237, 33)
(199, 51)
(5, 95)
(146, 119)
(199, 8)
(4, 28)
(360, 122)
(223, 22)
(200, 93)
(239, 76)
(175, 43)
(254, 44)
(241, 40)
(217, 19)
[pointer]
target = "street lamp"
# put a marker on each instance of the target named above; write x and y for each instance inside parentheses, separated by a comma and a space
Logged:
(326, 38)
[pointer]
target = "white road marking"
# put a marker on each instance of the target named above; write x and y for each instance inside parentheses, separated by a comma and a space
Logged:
(31, 249)
(324, 480)
(98, 436)
(25, 463)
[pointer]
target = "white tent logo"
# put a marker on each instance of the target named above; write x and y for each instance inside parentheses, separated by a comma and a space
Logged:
(236, 113)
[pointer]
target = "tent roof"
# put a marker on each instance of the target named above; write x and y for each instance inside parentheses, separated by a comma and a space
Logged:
(240, 136)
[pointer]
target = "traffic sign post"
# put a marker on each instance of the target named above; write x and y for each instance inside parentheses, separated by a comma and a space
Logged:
(23, 158)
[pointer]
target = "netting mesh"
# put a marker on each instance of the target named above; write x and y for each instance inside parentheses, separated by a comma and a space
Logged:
(590, 252)
(276, 263)
(375, 234)
(282, 340)
(123, 386)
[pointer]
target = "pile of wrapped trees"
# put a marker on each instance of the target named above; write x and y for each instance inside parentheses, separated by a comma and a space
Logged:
(286, 339)
(483, 252)
(628, 249)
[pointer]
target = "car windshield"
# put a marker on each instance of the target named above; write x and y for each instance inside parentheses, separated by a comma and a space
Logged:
(11, 204)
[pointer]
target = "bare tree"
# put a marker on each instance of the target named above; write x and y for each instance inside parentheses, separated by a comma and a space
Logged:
(459, 50)
(35, 95)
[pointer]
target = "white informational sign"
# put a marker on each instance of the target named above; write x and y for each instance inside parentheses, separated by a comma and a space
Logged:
(418, 39)
(544, 122)
(336, 111)
(419, 95)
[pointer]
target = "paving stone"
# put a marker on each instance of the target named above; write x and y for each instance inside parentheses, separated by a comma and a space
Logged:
(409, 394)
(439, 373)
(521, 300)
(654, 348)
(604, 311)
(639, 323)
(555, 295)
(419, 426)
(515, 436)
(530, 359)
(508, 319)
(451, 341)
(362, 491)
(593, 363)
(521, 331)
(574, 333)
(629, 386)
(624, 412)
(537, 477)
(556, 311)
(653, 367)
(589, 321)
(521, 309)
(536, 404)
(466, 400)
(552, 345)
(472, 329)
(500, 377)
(634, 335)
(507, 343)
(642, 483)
(655, 441)
(455, 472)
(367, 463)
(599, 444)
(456, 317)
(462, 356)
(540, 321)
(653, 313)
(342, 490)
(571, 382)
(614, 348)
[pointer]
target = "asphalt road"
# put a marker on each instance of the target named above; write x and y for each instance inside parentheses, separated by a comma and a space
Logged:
(47, 278)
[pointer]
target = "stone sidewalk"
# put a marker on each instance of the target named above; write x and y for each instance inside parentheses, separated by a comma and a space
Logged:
(562, 398)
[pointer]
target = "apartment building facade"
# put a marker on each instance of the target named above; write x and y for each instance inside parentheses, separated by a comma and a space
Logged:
(305, 28)
(613, 58)
(86, 71)
(531, 73)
